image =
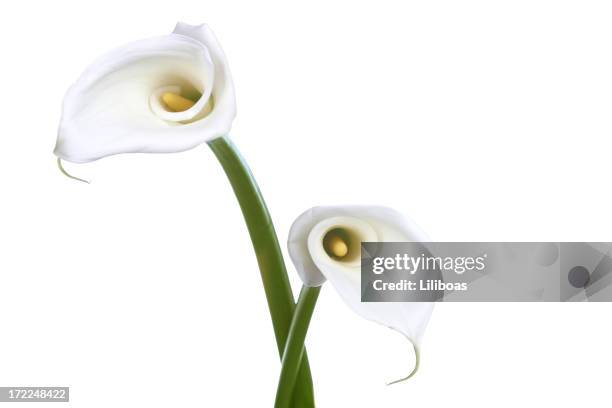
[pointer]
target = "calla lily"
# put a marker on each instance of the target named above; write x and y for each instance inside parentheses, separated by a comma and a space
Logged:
(325, 244)
(169, 94)
(158, 95)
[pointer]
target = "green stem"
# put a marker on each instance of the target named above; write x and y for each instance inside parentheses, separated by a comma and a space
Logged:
(294, 349)
(269, 257)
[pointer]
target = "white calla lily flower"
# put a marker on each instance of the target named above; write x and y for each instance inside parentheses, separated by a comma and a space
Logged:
(325, 244)
(159, 95)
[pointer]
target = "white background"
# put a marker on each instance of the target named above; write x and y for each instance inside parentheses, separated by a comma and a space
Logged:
(480, 120)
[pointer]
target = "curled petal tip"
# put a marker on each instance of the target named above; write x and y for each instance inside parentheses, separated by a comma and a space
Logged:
(65, 173)
(417, 356)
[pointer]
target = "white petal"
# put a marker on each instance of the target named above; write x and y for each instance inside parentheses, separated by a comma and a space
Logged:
(364, 224)
(112, 108)
(223, 95)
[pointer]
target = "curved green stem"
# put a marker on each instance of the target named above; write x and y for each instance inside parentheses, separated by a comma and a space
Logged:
(294, 349)
(269, 257)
